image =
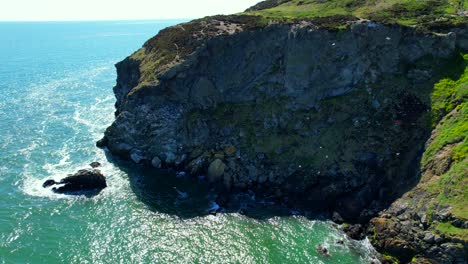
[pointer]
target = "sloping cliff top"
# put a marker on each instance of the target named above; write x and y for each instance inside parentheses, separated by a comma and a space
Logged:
(406, 12)
(313, 101)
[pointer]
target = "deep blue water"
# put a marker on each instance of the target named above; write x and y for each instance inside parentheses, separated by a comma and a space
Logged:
(56, 100)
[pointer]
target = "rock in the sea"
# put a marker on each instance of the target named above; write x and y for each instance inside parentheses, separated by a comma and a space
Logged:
(321, 249)
(216, 170)
(48, 183)
(95, 164)
(82, 181)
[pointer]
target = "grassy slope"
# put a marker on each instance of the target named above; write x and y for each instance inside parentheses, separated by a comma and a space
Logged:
(449, 145)
(405, 12)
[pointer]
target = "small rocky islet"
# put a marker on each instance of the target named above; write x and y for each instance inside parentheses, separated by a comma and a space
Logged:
(349, 108)
(85, 181)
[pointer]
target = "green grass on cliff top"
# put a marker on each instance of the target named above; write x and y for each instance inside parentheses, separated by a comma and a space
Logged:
(405, 12)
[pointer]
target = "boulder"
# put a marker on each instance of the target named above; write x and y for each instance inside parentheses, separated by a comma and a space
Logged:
(95, 164)
(336, 217)
(156, 162)
(82, 181)
(323, 250)
(136, 156)
(216, 170)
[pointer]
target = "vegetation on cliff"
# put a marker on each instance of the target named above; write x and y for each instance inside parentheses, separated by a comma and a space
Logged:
(172, 45)
(341, 110)
(435, 212)
(406, 12)
(446, 153)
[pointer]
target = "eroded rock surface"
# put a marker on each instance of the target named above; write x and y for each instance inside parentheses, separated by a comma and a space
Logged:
(322, 118)
(334, 114)
(84, 181)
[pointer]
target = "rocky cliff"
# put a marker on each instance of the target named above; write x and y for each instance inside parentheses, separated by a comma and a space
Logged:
(322, 113)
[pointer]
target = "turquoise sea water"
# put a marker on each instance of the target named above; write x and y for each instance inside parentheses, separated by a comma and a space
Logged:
(56, 100)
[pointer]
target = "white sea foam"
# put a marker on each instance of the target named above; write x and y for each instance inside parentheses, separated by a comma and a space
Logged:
(84, 118)
(116, 181)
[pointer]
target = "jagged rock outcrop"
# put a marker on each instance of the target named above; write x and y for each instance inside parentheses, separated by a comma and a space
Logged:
(328, 114)
(336, 114)
(86, 181)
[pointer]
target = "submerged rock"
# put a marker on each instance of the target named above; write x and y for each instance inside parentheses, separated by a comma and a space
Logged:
(323, 250)
(82, 181)
(95, 164)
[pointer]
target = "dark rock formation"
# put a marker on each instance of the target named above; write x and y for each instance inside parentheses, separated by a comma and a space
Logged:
(426, 224)
(327, 118)
(328, 114)
(84, 181)
(323, 250)
(95, 164)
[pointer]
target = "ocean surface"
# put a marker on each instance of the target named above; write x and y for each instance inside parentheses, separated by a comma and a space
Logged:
(56, 100)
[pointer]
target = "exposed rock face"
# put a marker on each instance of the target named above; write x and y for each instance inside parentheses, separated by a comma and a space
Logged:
(82, 181)
(216, 170)
(326, 119)
(333, 114)
(425, 223)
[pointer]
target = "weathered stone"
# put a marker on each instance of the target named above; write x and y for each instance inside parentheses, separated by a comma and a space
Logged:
(323, 250)
(180, 159)
(336, 217)
(333, 119)
(216, 170)
(169, 157)
(230, 150)
(48, 183)
(156, 162)
(136, 156)
(120, 149)
(219, 156)
(429, 238)
(82, 181)
(95, 164)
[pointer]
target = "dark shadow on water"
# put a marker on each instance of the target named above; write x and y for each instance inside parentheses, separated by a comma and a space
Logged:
(185, 196)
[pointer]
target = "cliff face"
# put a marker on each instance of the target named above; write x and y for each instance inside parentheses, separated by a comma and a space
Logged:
(337, 115)
(430, 222)
(320, 116)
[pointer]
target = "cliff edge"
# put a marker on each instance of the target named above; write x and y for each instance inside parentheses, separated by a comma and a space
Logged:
(331, 106)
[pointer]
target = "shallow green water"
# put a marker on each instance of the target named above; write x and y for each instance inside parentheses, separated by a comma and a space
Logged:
(55, 101)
